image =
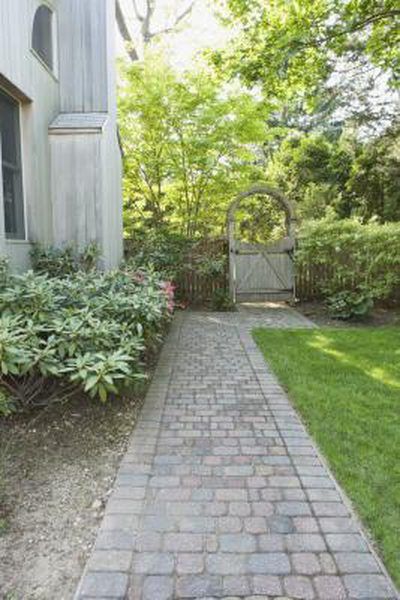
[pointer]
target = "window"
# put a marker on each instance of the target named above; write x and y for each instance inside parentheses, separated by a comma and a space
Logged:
(42, 35)
(11, 168)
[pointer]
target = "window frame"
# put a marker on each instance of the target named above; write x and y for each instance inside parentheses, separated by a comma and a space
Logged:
(9, 237)
(53, 70)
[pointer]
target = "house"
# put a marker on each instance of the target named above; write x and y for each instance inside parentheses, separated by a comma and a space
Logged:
(60, 176)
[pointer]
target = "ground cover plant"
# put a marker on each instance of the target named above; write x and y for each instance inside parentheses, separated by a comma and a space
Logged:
(346, 385)
(85, 331)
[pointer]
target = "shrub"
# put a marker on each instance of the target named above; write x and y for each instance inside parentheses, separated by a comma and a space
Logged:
(4, 271)
(210, 266)
(162, 251)
(363, 261)
(221, 301)
(348, 305)
(84, 331)
(59, 262)
(180, 259)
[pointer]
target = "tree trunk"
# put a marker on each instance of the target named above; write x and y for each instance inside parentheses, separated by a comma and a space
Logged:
(124, 31)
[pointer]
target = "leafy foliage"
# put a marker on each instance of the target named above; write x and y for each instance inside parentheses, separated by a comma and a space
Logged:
(87, 331)
(345, 175)
(177, 258)
(221, 301)
(363, 261)
(290, 47)
(159, 249)
(260, 219)
(58, 262)
(4, 270)
(189, 147)
(374, 179)
(346, 305)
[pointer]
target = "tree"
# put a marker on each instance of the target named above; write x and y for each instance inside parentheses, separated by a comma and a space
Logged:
(329, 71)
(313, 171)
(190, 147)
(352, 177)
(290, 35)
(374, 180)
(145, 16)
(300, 52)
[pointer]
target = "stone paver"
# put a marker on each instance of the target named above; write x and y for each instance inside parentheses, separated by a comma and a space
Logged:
(221, 493)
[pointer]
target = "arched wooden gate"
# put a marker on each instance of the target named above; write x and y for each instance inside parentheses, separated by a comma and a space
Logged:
(258, 271)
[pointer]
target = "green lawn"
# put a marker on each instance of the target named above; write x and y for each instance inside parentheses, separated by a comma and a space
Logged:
(346, 385)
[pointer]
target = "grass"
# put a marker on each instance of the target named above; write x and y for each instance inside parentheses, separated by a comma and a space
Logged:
(346, 385)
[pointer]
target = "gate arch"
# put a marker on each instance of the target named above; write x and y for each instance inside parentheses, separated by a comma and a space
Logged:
(260, 271)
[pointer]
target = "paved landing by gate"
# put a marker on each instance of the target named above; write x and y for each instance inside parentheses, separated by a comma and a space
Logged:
(221, 493)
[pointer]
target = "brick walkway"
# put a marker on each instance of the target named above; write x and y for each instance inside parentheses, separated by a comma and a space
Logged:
(221, 493)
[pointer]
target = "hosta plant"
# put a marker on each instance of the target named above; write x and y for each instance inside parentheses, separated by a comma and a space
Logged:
(349, 305)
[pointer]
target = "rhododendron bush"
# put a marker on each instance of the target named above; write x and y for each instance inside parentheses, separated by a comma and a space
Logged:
(86, 331)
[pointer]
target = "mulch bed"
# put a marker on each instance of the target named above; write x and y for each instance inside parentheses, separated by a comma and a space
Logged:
(57, 469)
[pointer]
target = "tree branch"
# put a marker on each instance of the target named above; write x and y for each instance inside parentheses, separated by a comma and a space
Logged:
(124, 31)
(136, 10)
(360, 25)
(146, 21)
(177, 21)
(185, 13)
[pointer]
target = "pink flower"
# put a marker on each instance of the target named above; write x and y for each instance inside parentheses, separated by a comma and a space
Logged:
(169, 291)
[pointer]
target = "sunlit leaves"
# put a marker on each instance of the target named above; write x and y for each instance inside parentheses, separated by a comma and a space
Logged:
(190, 145)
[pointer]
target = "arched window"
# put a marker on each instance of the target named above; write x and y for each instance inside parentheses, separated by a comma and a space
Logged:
(42, 35)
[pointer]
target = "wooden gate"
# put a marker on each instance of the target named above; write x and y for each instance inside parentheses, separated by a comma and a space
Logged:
(257, 271)
(264, 272)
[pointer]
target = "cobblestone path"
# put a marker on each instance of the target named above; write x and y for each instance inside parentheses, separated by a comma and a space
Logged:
(221, 493)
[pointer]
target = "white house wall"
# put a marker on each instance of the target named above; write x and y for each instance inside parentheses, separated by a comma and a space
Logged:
(83, 35)
(77, 200)
(112, 160)
(25, 77)
(80, 200)
(112, 203)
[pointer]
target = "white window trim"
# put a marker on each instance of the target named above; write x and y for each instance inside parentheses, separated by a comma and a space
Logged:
(22, 150)
(25, 239)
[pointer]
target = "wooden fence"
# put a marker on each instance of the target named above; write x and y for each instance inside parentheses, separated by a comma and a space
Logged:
(310, 279)
(197, 286)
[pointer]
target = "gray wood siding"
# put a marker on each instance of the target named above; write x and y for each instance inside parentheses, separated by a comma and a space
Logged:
(77, 214)
(88, 206)
(2, 229)
(112, 169)
(83, 42)
(22, 71)
(18, 253)
(81, 199)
